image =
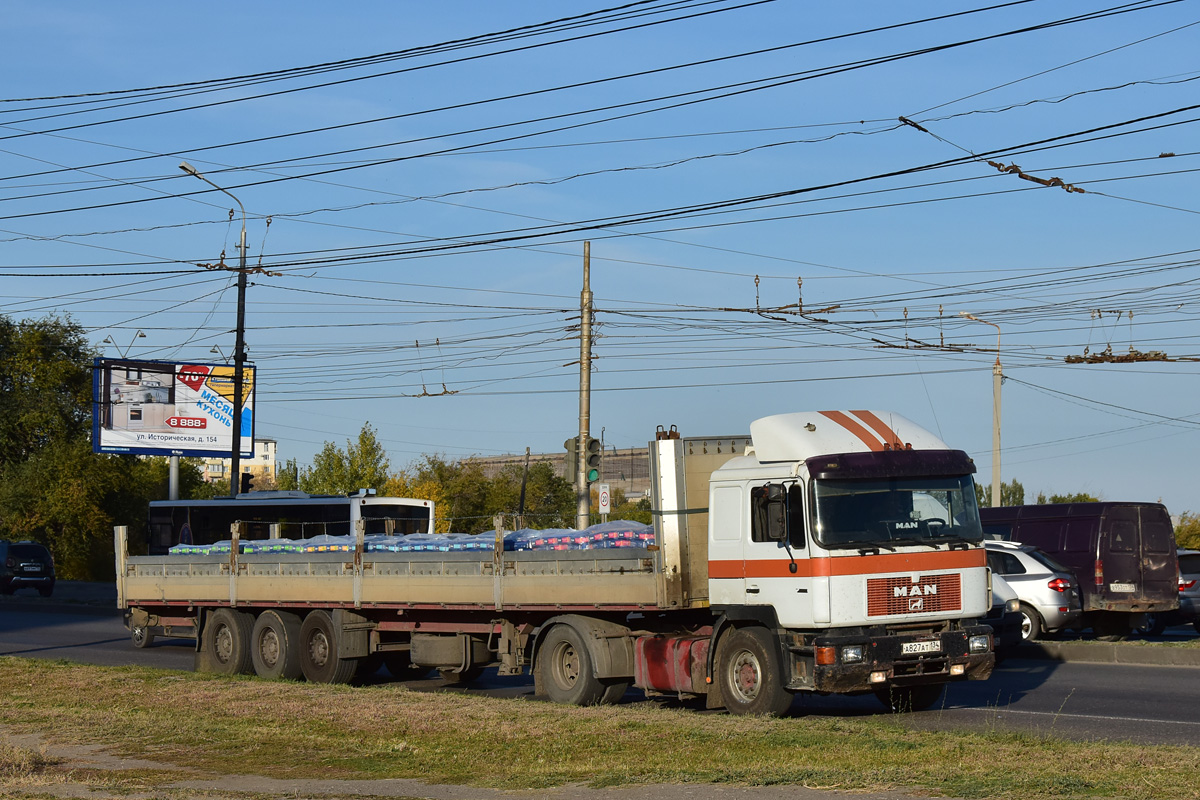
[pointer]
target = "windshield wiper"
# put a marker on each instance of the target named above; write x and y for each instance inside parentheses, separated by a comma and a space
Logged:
(864, 547)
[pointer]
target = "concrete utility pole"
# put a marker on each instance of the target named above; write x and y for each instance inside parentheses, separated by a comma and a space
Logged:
(239, 347)
(583, 495)
(997, 379)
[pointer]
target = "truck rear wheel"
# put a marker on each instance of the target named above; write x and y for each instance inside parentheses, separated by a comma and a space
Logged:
(275, 646)
(565, 668)
(750, 674)
(319, 660)
(227, 640)
(902, 699)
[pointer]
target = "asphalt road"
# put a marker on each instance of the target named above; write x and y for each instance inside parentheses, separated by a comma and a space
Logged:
(1147, 704)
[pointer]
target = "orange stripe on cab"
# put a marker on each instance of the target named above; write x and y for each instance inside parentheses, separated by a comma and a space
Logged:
(855, 565)
(851, 425)
(885, 431)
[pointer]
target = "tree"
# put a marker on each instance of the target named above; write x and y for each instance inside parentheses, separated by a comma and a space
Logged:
(1187, 532)
(1011, 494)
(362, 465)
(45, 386)
(1078, 497)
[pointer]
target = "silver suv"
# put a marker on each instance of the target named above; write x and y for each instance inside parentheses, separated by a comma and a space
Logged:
(1047, 590)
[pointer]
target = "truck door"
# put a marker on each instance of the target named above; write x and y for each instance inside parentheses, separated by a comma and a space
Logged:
(778, 570)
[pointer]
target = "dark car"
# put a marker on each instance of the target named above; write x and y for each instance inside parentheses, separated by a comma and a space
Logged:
(25, 564)
(1122, 555)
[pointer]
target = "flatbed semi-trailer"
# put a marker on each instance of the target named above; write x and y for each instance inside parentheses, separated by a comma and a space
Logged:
(833, 552)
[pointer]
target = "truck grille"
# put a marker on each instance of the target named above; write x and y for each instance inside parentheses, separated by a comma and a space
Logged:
(891, 596)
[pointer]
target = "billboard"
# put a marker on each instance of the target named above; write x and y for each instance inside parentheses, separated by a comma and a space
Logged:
(165, 409)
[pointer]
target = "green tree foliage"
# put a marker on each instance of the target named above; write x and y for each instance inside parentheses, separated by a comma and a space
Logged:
(1011, 494)
(1187, 532)
(1078, 497)
(45, 386)
(362, 465)
(53, 488)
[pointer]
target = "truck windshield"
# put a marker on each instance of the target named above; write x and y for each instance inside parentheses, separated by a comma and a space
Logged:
(887, 512)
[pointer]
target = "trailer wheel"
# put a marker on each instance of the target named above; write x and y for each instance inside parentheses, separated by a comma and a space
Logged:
(319, 660)
(565, 667)
(750, 675)
(227, 640)
(141, 636)
(275, 646)
(902, 699)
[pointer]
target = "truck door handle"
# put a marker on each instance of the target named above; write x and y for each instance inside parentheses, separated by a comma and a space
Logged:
(751, 590)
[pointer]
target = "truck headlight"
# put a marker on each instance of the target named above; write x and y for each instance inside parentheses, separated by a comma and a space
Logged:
(1012, 606)
(979, 644)
(852, 654)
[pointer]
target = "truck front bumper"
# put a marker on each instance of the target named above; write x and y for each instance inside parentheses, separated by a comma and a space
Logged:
(902, 659)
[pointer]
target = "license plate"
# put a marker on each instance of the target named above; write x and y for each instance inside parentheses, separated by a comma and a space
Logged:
(908, 648)
(1122, 587)
(33, 567)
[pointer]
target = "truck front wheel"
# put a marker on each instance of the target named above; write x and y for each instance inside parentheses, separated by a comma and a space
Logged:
(565, 667)
(227, 639)
(750, 674)
(319, 660)
(275, 646)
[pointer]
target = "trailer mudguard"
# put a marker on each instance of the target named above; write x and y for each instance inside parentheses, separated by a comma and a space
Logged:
(609, 644)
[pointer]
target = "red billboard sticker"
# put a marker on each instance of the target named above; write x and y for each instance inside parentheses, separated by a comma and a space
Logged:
(189, 423)
(193, 376)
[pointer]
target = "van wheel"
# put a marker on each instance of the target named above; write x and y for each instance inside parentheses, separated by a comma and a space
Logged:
(319, 660)
(750, 675)
(227, 640)
(275, 646)
(902, 699)
(1031, 623)
(1112, 627)
(565, 667)
(1151, 624)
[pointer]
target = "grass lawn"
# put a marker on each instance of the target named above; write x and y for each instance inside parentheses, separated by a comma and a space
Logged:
(297, 730)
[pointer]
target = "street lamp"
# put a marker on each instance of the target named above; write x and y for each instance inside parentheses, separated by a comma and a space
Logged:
(997, 378)
(239, 348)
(109, 340)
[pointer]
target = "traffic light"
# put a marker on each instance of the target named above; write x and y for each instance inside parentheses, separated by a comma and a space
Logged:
(247, 483)
(593, 460)
(572, 446)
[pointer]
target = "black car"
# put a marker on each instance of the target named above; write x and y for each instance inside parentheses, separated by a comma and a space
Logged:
(25, 564)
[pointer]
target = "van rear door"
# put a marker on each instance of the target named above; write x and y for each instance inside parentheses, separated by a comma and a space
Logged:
(1138, 557)
(1160, 565)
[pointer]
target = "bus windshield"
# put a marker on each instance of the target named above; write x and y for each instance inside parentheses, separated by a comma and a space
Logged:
(885, 512)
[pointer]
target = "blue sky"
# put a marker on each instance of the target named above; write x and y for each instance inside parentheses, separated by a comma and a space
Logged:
(766, 234)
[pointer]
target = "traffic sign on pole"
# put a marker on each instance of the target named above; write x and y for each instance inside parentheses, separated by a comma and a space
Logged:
(605, 502)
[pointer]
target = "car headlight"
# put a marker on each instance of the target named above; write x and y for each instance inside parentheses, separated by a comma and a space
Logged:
(852, 654)
(979, 644)
(1012, 606)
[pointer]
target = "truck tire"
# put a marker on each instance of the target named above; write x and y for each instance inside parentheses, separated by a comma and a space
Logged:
(275, 646)
(140, 636)
(319, 660)
(227, 640)
(750, 674)
(565, 668)
(902, 699)
(1031, 623)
